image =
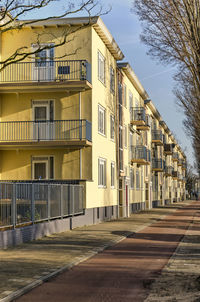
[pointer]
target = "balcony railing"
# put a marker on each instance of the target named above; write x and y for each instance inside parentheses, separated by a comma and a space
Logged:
(157, 164)
(175, 156)
(184, 165)
(46, 71)
(175, 174)
(157, 136)
(168, 170)
(140, 154)
(138, 114)
(56, 130)
(168, 148)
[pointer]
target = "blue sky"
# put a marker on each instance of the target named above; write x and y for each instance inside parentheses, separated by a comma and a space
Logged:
(156, 79)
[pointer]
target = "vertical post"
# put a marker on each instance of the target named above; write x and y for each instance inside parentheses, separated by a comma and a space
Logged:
(61, 200)
(48, 202)
(73, 187)
(32, 202)
(13, 204)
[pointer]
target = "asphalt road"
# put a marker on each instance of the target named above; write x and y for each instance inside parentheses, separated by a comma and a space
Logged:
(123, 272)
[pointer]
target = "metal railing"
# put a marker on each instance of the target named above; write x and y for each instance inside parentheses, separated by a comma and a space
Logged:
(46, 71)
(175, 156)
(140, 152)
(157, 164)
(168, 148)
(168, 170)
(175, 174)
(22, 203)
(157, 135)
(56, 130)
(138, 114)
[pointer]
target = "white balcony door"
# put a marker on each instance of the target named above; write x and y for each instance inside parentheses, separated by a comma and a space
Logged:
(43, 67)
(43, 117)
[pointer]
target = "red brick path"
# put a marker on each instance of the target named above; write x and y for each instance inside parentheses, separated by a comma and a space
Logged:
(123, 272)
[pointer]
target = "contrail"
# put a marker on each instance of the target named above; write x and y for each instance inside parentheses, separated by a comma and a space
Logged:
(158, 73)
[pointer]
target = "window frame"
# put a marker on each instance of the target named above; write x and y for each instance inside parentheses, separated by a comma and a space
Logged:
(101, 129)
(112, 175)
(112, 80)
(102, 162)
(101, 68)
(112, 127)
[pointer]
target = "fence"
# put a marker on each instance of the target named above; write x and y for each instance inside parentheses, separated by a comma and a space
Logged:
(46, 71)
(22, 203)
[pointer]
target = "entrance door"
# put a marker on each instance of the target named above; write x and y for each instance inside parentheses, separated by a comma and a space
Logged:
(43, 66)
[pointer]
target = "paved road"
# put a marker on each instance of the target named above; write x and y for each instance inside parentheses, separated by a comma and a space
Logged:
(123, 272)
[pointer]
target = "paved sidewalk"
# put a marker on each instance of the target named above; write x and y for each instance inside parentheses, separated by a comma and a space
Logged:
(28, 265)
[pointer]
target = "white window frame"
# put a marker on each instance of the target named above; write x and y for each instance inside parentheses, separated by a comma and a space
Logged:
(112, 127)
(101, 68)
(112, 175)
(112, 80)
(102, 172)
(125, 137)
(101, 120)
(138, 180)
(131, 172)
(125, 96)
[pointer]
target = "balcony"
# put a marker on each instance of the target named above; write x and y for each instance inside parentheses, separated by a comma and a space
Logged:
(168, 170)
(54, 75)
(140, 155)
(60, 133)
(139, 118)
(184, 165)
(175, 156)
(175, 175)
(157, 137)
(157, 165)
(180, 162)
(168, 149)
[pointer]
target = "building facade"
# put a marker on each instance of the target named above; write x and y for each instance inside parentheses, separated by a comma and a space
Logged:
(84, 120)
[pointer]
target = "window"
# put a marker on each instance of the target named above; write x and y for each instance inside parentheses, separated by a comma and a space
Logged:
(101, 120)
(112, 127)
(137, 180)
(131, 178)
(112, 80)
(130, 100)
(125, 136)
(102, 172)
(101, 67)
(112, 175)
(125, 102)
(43, 167)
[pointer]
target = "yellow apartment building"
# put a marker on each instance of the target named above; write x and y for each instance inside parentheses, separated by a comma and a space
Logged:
(83, 120)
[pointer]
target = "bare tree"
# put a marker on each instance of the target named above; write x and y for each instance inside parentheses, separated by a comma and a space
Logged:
(171, 30)
(12, 17)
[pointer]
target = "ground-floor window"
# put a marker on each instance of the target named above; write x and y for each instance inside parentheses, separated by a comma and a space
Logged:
(102, 172)
(42, 167)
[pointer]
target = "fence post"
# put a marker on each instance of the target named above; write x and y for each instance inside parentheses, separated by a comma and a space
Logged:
(61, 200)
(13, 204)
(32, 203)
(48, 202)
(73, 200)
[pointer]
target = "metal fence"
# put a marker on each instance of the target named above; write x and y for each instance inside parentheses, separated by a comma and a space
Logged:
(140, 152)
(55, 130)
(46, 71)
(22, 203)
